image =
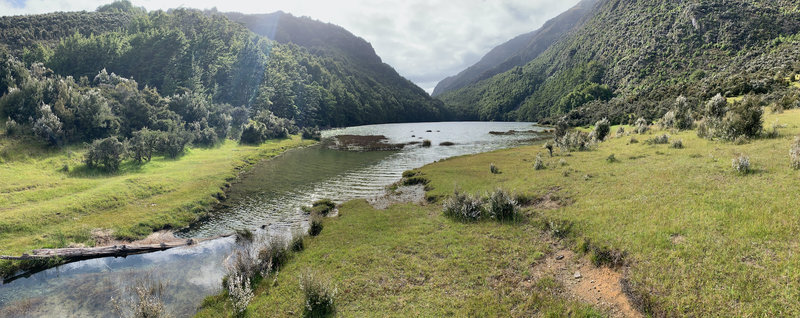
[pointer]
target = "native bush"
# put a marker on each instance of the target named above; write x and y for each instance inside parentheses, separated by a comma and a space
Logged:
(501, 206)
(311, 133)
(538, 164)
(794, 153)
(239, 291)
(658, 140)
(48, 126)
(12, 128)
(641, 126)
(549, 146)
(575, 141)
(620, 132)
(463, 207)
(323, 206)
(319, 294)
(142, 145)
(493, 169)
(315, 224)
(601, 129)
(105, 153)
(741, 164)
(677, 144)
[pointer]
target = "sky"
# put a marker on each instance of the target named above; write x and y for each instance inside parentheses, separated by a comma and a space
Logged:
(425, 41)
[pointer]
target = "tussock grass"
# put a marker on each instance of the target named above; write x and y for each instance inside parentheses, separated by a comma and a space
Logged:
(43, 206)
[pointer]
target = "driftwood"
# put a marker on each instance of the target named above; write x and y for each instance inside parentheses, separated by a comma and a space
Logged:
(73, 253)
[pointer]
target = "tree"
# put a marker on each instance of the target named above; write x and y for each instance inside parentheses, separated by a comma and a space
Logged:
(48, 126)
(142, 144)
(105, 153)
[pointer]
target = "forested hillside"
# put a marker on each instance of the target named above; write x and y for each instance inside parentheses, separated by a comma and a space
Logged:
(519, 50)
(633, 58)
(186, 52)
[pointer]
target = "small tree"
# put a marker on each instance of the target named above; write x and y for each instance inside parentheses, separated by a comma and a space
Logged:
(549, 146)
(105, 153)
(602, 128)
(48, 126)
(641, 126)
(142, 145)
(561, 128)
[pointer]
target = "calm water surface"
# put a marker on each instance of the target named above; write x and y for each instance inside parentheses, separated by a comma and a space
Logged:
(270, 194)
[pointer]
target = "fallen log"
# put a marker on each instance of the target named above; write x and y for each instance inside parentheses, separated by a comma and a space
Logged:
(71, 253)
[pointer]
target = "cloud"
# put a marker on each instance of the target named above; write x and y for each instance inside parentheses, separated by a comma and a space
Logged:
(425, 40)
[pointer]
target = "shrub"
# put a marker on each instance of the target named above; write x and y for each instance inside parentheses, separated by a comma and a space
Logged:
(501, 206)
(319, 293)
(239, 292)
(549, 146)
(620, 132)
(106, 153)
(611, 158)
(415, 180)
(741, 140)
(315, 224)
(12, 128)
(172, 144)
(463, 207)
(323, 206)
(658, 140)
(311, 133)
(641, 126)
(680, 117)
(48, 126)
(426, 143)
(493, 169)
(410, 173)
(561, 129)
(142, 144)
(741, 164)
(538, 164)
(602, 128)
(716, 107)
(677, 144)
(144, 298)
(298, 243)
(575, 141)
(743, 119)
(634, 141)
(274, 254)
(773, 131)
(562, 162)
(794, 153)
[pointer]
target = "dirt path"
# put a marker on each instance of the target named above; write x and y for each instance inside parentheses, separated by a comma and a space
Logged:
(599, 286)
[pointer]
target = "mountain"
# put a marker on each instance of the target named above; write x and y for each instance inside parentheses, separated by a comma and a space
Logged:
(517, 51)
(633, 58)
(313, 73)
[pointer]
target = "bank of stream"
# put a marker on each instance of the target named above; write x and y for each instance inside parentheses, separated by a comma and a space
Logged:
(269, 197)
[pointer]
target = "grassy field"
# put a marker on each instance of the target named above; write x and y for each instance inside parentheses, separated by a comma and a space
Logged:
(699, 239)
(49, 199)
(409, 261)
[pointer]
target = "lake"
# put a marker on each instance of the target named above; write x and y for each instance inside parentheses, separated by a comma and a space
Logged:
(270, 195)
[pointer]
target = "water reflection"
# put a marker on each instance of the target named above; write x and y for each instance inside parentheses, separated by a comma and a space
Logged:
(270, 194)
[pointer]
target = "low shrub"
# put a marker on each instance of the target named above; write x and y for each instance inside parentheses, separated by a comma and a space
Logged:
(493, 169)
(658, 140)
(602, 256)
(12, 128)
(298, 243)
(641, 126)
(538, 164)
(311, 133)
(575, 141)
(611, 158)
(677, 144)
(501, 206)
(741, 164)
(415, 180)
(275, 253)
(562, 162)
(794, 153)
(105, 153)
(239, 292)
(323, 206)
(319, 294)
(620, 132)
(463, 207)
(315, 224)
(601, 129)
(410, 173)
(549, 146)
(633, 141)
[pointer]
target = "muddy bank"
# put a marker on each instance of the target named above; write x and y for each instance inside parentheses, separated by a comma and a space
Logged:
(361, 143)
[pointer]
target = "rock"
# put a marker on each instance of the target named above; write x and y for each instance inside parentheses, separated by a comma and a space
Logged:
(577, 275)
(560, 257)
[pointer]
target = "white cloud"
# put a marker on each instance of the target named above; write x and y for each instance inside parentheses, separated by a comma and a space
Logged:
(425, 41)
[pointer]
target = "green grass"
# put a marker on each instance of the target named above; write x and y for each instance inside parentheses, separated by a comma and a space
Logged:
(43, 206)
(700, 239)
(410, 261)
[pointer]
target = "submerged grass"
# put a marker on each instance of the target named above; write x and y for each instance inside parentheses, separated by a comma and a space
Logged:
(43, 206)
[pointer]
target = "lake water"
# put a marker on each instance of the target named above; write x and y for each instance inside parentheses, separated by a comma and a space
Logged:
(270, 195)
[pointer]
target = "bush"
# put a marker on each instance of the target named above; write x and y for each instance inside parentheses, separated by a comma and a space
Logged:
(172, 144)
(743, 119)
(641, 126)
(319, 293)
(658, 140)
(538, 164)
(633, 141)
(602, 128)
(274, 254)
(493, 169)
(575, 141)
(562, 162)
(794, 153)
(315, 224)
(144, 298)
(415, 180)
(677, 144)
(311, 133)
(741, 164)
(620, 132)
(323, 206)
(48, 126)
(105, 153)
(501, 206)
(549, 146)
(239, 291)
(561, 129)
(142, 144)
(680, 117)
(463, 207)
(12, 128)
(611, 158)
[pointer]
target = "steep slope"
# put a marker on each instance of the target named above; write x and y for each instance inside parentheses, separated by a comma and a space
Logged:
(633, 57)
(312, 73)
(356, 57)
(519, 50)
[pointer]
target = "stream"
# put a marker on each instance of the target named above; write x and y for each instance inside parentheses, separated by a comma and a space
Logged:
(268, 196)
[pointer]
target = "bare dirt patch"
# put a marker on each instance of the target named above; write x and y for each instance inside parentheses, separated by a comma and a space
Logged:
(599, 286)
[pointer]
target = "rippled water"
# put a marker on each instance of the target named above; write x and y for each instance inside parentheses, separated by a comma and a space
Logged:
(269, 194)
